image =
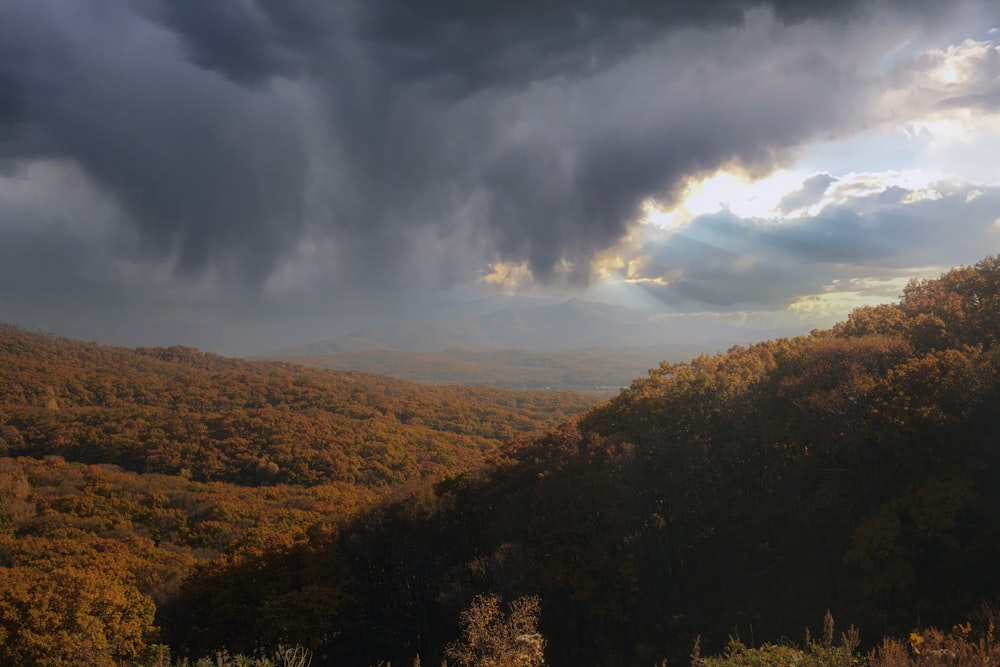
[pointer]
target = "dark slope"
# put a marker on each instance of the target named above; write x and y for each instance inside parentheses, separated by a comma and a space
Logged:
(853, 469)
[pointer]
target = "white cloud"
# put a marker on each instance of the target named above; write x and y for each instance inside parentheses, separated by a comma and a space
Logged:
(868, 234)
(946, 96)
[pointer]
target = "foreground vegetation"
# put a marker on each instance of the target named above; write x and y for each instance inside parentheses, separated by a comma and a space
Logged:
(493, 637)
(961, 647)
(731, 496)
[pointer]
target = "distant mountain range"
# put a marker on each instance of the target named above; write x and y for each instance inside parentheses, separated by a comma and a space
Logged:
(527, 344)
(540, 325)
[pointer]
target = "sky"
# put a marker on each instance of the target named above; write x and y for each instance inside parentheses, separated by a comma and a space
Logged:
(247, 174)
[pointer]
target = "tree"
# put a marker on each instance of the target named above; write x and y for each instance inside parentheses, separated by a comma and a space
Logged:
(70, 616)
(495, 639)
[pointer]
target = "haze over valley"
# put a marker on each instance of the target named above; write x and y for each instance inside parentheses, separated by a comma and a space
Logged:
(529, 344)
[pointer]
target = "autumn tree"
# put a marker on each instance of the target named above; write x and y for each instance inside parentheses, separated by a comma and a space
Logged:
(493, 638)
(70, 617)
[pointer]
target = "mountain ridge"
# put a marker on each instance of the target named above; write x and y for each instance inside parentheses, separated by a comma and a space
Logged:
(574, 345)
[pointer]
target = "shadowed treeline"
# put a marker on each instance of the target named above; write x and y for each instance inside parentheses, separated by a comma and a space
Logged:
(734, 495)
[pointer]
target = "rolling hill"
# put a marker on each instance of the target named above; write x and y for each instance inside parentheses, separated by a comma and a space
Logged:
(168, 410)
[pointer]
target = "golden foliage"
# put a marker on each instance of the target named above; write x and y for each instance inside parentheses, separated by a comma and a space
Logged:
(493, 638)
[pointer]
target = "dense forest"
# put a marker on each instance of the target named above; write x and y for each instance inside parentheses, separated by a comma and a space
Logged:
(737, 495)
(177, 411)
(121, 470)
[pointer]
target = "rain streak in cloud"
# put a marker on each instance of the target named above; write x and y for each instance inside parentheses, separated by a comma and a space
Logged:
(253, 162)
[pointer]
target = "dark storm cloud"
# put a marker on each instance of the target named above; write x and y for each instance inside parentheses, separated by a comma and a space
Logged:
(246, 40)
(468, 45)
(22, 250)
(195, 115)
(448, 114)
(413, 142)
(205, 169)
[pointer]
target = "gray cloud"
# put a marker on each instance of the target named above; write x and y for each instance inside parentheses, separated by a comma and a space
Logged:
(250, 41)
(461, 46)
(211, 167)
(208, 172)
(414, 142)
(811, 192)
(730, 262)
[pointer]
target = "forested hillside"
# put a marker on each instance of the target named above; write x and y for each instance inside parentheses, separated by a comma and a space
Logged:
(121, 470)
(742, 494)
(178, 411)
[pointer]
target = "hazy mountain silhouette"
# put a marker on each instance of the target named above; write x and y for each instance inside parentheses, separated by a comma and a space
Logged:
(527, 344)
(539, 325)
